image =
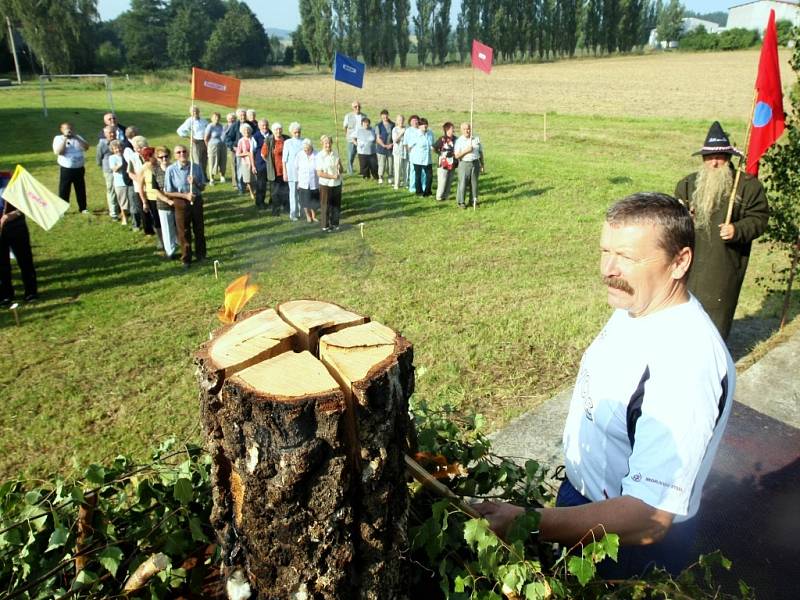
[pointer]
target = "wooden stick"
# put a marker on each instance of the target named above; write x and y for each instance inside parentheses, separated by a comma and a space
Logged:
(438, 488)
(472, 100)
(742, 159)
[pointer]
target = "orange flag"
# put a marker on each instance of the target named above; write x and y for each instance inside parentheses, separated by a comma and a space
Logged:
(215, 88)
(237, 294)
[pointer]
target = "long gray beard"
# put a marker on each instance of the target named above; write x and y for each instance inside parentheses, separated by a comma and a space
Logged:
(712, 187)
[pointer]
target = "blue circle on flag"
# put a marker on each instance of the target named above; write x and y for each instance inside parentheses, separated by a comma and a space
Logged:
(762, 114)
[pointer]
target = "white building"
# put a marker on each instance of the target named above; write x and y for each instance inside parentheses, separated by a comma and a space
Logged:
(754, 15)
(690, 24)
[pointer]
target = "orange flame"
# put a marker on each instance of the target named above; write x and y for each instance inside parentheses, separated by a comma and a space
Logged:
(237, 294)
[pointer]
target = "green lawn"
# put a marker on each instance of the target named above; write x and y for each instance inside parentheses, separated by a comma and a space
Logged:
(499, 303)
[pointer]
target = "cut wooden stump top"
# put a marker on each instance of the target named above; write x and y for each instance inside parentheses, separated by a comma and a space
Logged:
(255, 338)
(352, 352)
(290, 375)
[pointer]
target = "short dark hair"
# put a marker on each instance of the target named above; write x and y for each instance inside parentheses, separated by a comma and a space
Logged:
(668, 213)
(423, 121)
(447, 126)
(385, 112)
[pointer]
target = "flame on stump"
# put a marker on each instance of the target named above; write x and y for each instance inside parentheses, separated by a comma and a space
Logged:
(237, 294)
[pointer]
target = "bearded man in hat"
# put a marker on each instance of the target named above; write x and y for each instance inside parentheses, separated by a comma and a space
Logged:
(722, 249)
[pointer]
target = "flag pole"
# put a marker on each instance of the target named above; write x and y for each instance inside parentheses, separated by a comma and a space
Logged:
(472, 100)
(741, 160)
(336, 121)
(191, 141)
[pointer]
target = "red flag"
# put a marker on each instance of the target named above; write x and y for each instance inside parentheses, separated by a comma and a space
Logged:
(215, 88)
(768, 117)
(482, 56)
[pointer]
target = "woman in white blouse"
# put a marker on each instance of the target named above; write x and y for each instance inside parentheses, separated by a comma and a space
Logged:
(305, 173)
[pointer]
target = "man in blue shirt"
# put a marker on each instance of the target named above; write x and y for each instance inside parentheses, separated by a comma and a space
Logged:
(184, 183)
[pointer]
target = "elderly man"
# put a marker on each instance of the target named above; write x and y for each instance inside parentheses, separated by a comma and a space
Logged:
(195, 128)
(650, 404)
(265, 171)
(722, 249)
(110, 120)
(469, 153)
(102, 155)
(70, 150)
(184, 183)
(351, 124)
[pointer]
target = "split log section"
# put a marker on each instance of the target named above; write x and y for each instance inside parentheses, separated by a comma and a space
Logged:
(305, 411)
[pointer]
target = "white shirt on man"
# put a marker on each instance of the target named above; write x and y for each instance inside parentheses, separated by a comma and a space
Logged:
(659, 380)
(74, 156)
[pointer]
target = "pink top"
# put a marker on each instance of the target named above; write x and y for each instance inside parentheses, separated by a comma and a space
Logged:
(245, 146)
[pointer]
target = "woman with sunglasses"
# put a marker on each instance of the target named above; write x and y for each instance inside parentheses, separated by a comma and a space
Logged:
(164, 205)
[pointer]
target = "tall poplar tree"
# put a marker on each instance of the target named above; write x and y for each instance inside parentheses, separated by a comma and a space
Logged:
(468, 26)
(402, 10)
(423, 29)
(441, 30)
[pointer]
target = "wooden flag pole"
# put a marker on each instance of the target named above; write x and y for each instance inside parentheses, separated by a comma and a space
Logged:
(336, 122)
(430, 482)
(742, 159)
(191, 146)
(472, 100)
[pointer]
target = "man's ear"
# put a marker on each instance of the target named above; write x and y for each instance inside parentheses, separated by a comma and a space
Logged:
(681, 263)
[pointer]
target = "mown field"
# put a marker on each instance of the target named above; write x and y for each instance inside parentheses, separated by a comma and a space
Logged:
(499, 302)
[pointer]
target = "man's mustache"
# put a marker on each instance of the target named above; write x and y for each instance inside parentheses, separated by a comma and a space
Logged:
(618, 284)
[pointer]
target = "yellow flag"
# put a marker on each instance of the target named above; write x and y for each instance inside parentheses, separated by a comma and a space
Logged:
(33, 199)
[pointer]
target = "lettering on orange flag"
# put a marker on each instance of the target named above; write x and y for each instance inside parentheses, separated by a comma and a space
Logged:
(215, 87)
(237, 294)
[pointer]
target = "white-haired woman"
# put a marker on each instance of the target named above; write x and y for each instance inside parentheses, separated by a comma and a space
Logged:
(291, 148)
(399, 152)
(305, 167)
(247, 162)
(329, 171)
(216, 149)
(135, 164)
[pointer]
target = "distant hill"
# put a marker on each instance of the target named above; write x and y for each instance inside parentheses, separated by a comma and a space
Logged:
(281, 33)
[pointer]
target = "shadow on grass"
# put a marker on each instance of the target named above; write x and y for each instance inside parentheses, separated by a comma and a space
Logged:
(748, 332)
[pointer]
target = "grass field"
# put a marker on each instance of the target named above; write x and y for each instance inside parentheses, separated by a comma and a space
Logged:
(500, 302)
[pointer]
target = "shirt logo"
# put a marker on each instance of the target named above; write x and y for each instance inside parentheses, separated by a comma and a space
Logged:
(637, 478)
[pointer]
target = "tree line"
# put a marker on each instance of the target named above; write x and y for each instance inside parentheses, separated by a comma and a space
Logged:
(67, 36)
(381, 33)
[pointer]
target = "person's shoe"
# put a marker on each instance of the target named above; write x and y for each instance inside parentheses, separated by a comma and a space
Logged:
(211, 182)
(31, 297)
(396, 187)
(84, 212)
(462, 206)
(380, 180)
(326, 229)
(222, 179)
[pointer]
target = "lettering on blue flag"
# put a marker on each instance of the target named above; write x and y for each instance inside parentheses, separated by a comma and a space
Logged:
(348, 70)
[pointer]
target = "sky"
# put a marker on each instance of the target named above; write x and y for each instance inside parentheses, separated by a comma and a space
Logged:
(284, 14)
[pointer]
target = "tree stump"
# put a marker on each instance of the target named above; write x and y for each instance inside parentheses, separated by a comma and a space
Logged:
(305, 410)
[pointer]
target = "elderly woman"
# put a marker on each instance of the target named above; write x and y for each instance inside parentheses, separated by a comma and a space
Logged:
(134, 166)
(411, 133)
(307, 181)
(152, 190)
(420, 156)
(367, 147)
(123, 186)
(247, 163)
(329, 171)
(447, 161)
(399, 152)
(280, 189)
(291, 148)
(216, 149)
(164, 204)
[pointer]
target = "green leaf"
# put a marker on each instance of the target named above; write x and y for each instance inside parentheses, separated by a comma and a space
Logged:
(183, 491)
(535, 591)
(85, 578)
(111, 558)
(583, 569)
(610, 542)
(196, 527)
(57, 539)
(95, 474)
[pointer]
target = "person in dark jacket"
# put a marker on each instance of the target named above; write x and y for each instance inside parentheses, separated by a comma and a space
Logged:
(14, 236)
(722, 249)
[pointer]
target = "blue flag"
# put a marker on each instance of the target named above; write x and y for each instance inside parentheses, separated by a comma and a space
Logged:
(348, 70)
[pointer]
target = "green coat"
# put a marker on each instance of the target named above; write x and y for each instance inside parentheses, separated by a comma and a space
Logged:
(719, 266)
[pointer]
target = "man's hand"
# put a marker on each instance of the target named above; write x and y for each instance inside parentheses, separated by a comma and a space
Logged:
(500, 515)
(727, 231)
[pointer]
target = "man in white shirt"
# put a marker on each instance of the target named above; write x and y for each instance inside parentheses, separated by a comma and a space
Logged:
(469, 153)
(195, 128)
(351, 124)
(650, 404)
(70, 150)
